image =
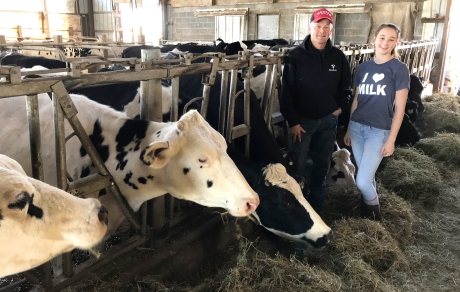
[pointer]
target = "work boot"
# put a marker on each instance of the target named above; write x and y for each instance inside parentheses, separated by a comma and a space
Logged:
(372, 212)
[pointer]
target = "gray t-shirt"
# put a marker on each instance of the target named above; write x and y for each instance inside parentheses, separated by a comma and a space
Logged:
(377, 85)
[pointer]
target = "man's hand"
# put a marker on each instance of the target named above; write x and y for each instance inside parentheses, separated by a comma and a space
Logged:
(337, 112)
(296, 132)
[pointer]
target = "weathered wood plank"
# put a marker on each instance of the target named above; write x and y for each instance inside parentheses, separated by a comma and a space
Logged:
(190, 3)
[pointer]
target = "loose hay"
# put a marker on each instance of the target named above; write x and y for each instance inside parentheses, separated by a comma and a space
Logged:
(341, 202)
(370, 241)
(442, 147)
(411, 175)
(443, 101)
(360, 276)
(398, 218)
(442, 115)
(257, 271)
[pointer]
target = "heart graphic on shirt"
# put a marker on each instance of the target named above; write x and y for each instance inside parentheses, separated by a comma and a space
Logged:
(377, 77)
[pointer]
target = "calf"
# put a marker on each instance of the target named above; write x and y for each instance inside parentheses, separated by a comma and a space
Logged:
(39, 222)
(342, 170)
(146, 159)
(408, 135)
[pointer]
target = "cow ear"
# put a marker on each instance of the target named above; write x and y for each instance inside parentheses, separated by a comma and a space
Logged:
(155, 155)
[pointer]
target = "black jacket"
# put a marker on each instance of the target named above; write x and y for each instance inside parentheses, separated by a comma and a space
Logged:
(315, 83)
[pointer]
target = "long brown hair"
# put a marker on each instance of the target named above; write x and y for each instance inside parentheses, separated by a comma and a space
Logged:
(394, 52)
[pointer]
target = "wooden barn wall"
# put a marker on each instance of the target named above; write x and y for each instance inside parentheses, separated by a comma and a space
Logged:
(350, 27)
(62, 18)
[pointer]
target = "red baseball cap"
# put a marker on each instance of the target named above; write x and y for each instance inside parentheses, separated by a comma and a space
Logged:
(322, 13)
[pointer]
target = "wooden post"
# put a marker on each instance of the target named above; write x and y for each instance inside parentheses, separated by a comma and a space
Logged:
(2, 40)
(19, 28)
(90, 19)
(151, 110)
(46, 23)
(437, 87)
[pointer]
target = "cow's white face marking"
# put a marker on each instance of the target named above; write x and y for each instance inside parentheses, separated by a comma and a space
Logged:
(276, 175)
(34, 231)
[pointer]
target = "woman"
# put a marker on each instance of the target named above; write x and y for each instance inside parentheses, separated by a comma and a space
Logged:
(377, 111)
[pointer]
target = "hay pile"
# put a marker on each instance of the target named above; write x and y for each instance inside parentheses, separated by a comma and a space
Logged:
(411, 175)
(442, 147)
(398, 218)
(341, 202)
(257, 271)
(442, 115)
(370, 241)
(443, 101)
(360, 276)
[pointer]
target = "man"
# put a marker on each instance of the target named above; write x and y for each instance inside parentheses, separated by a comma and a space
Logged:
(316, 89)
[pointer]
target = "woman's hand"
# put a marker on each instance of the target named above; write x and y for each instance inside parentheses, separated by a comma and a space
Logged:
(296, 133)
(387, 149)
(346, 138)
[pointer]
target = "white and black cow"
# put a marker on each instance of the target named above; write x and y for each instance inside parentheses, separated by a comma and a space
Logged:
(283, 210)
(342, 170)
(186, 159)
(39, 222)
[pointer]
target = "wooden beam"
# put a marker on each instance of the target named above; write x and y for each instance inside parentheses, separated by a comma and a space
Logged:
(221, 12)
(437, 86)
(46, 23)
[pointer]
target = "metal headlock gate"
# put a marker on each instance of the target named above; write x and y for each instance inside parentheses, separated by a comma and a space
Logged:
(418, 56)
(149, 70)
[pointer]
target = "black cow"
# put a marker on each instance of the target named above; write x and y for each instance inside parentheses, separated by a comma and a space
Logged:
(408, 135)
(30, 61)
(411, 110)
(415, 92)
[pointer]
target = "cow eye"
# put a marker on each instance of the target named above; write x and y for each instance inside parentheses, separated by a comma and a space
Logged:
(202, 160)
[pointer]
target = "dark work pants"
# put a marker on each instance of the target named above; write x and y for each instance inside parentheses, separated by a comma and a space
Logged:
(317, 143)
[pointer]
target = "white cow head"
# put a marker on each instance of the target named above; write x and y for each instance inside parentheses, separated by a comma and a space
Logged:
(195, 166)
(38, 221)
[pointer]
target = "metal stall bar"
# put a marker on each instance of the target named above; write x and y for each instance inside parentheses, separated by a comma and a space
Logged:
(37, 165)
(267, 88)
(71, 114)
(223, 102)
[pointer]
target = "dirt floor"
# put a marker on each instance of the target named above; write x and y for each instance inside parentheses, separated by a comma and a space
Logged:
(416, 247)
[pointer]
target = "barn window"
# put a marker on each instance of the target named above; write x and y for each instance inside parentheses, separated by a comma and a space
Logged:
(231, 25)
(267, 26)
(303, 15)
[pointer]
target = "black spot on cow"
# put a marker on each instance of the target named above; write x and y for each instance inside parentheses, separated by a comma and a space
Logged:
(132, 130)
(85, 172)
(130, 149)
(21, 201)
(150, 177)
(201, 166)
(33, 210)
(142, 158)
(97, 138)
(186, 170)
(177, 132)
(159, 132)
(339, 174)
(210, 183)
(142, 180)
(127, 179)
(138, 145)
(102, 192)
(1, 216)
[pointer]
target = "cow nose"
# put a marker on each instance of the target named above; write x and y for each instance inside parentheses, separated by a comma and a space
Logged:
(252, 205)
(103, 215)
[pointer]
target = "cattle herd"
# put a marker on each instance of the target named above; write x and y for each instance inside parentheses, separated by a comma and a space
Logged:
(187, 158)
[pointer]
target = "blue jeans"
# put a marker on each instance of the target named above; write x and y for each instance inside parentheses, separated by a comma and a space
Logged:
(366, 143)
(318, 144)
